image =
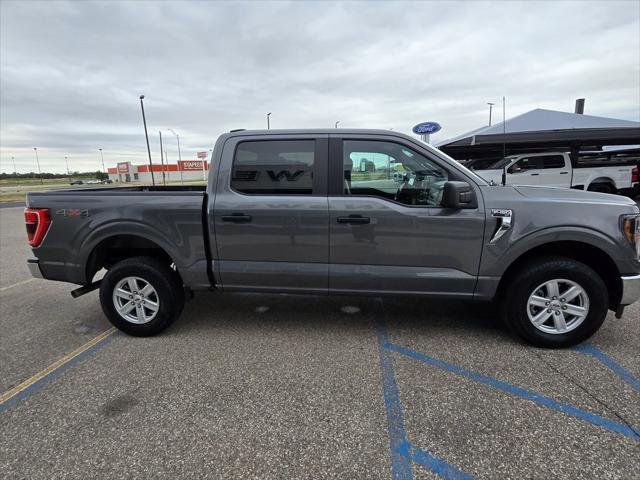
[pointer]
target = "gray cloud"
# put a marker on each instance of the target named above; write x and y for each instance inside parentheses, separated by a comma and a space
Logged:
(71, 72)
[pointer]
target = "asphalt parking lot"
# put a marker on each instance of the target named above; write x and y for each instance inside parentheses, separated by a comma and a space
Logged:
(248, 386)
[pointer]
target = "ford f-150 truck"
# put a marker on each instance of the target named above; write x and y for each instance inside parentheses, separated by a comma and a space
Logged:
(554, 169)
(361, 212)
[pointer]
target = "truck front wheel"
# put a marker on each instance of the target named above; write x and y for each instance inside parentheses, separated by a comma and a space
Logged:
(555, 302)
(141, 296)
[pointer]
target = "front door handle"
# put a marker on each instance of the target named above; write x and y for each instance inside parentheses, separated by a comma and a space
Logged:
(564, 173)
(237, 218)
(535, 174)
(354, 220)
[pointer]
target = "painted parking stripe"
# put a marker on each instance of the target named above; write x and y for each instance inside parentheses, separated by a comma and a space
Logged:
(16, 394)
(400, 465)
(428, 461)
(611, 364)
(520, 392)
(24, 282)
(402, 452)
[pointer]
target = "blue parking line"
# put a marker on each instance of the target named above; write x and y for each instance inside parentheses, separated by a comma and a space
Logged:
(611, 364)
(445, 470)
(402, 452)
(520, 392)
(399, 447)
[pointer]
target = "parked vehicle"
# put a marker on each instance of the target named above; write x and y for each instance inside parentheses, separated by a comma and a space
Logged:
(76, 182)
(106, 180)
(555, 170)
(288, 212)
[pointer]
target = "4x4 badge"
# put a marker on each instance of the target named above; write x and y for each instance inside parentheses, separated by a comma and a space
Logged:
(73, 212)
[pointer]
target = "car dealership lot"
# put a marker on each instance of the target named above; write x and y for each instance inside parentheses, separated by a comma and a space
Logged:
(251, 386)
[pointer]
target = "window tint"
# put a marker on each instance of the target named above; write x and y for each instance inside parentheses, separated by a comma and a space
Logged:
(552, 161)
(391, 171)
(275, 167)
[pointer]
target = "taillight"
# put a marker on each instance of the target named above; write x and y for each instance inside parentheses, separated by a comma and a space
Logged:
(37, 221)
(634, 175)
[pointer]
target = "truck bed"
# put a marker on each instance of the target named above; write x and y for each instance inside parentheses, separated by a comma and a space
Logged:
(83, 219)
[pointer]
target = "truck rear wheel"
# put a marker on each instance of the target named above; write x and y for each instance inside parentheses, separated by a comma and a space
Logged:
(555, 302)
(141, 296)
(602, 188)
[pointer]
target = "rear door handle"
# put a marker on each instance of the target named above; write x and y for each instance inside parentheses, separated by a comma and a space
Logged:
(354, 220)
(564, 173)
(535, 174)
(236, 218)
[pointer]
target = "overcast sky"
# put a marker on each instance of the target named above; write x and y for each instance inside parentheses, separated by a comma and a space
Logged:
(71, 72)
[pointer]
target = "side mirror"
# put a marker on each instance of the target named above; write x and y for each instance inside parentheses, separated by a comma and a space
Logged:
(458, 195)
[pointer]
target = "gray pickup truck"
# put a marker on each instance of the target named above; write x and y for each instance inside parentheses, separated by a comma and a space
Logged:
(359, 212)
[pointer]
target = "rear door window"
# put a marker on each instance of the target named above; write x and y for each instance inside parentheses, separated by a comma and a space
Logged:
(552, 161)
(274, 167)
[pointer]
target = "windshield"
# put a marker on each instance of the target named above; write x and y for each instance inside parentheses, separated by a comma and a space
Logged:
(503, 162)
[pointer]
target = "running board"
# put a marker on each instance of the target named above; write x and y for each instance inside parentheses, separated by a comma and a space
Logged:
(78, 292)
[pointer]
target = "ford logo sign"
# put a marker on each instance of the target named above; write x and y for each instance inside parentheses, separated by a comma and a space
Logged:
(426, 128)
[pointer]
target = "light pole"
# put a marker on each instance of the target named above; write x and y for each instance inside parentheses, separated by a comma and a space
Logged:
(101, 157)
(146, 134)
(268, 124)
(35, 149)
(337, 123)
(164, 182)
(15, 170)
(490, 108)
(66, 160)
(179, 154)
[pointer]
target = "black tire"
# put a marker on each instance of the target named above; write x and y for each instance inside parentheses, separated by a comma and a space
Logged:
(169, 294)
(524, 282)
(602, 188)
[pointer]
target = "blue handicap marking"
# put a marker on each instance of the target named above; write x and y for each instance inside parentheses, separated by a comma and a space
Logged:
(401, 451)
(520, 392)
(611, 364)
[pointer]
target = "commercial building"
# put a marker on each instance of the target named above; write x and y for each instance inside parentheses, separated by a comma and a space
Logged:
(186, 170)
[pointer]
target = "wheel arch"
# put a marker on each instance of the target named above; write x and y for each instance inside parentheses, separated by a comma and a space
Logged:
(600, 180)
(584, 252)
(116, 247)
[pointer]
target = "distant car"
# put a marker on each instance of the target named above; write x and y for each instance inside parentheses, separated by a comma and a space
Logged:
(76, 182)
(93, 182)
(107, 180)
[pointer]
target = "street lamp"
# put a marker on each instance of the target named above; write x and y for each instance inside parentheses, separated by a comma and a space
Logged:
(101, 156)
(179, 153)
(35, 149)
(490, 108)
(146, 134)
(164, 182)
(66, 159)
(268, 124)
(337, 123)
(15, 170)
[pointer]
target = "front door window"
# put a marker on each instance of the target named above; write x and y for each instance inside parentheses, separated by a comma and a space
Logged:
(393, 172)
